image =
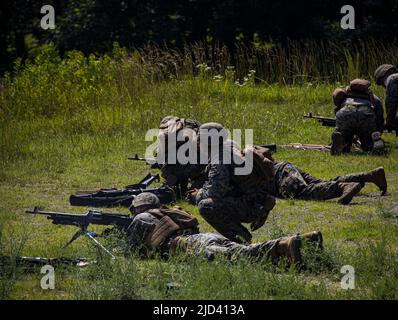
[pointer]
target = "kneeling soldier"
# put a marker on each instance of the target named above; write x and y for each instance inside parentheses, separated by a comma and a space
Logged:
(358, 113)
(228, 198)
(164, 230)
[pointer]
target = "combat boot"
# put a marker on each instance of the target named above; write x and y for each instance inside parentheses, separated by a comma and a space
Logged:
(337, 143)
(348, 191)
(314, 237)
(378, 143)
(378, 177)
(290, 249)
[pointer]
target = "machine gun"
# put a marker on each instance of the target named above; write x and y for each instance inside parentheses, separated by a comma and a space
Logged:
(82, 221)
(111, 197)
(327, 122)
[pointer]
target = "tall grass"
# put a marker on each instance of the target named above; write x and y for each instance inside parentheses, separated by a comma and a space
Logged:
(69, 123)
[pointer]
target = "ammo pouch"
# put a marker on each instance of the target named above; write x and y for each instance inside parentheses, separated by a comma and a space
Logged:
(171, 221)
(263, 167)
(162, 231)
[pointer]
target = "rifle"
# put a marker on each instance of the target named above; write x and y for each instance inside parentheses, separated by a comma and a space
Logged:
(82, 221)
(30, 263)
(111, 197)
(150, 161)
(327, 122)
(331, 122)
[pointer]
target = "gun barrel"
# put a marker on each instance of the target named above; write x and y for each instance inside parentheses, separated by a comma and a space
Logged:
(325, 121)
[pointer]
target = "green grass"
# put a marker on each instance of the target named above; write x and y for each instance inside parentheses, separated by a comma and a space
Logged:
(70, 124)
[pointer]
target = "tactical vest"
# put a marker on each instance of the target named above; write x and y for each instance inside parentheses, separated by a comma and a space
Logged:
(262, 174)
(170, 221)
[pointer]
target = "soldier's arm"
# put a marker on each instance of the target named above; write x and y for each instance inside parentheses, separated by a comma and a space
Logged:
(217, 184)
(392, 99)
(378, 108)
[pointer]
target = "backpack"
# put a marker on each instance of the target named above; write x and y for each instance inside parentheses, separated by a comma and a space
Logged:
(263, 166)
(171, 220)
(359, 88)
(174, 125)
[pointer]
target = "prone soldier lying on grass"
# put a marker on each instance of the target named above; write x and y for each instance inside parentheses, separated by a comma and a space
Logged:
(292, 182)
(167, 231)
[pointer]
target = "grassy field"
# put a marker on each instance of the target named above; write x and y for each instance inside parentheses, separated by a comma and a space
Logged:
(70, 124)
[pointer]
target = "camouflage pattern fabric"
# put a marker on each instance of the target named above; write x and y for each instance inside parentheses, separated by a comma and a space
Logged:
(207, 244)
(392, 100)
(292, 182)
(225, 202)
(379, 112)
(212, 244)
(356, 117)
(178, 176)
(139, 230)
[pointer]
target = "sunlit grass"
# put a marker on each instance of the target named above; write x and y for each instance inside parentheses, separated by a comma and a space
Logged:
(71, 124)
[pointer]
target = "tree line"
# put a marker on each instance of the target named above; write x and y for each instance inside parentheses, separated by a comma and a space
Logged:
(92, 26)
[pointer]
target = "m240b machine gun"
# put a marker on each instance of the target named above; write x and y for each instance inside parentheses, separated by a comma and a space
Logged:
(82, 221)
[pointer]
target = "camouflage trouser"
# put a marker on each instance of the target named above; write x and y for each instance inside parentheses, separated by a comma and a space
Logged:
(292, 182)
(359, 121)
(211, 244)
(227, 215)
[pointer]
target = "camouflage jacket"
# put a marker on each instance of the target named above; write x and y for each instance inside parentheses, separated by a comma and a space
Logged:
(375, 104)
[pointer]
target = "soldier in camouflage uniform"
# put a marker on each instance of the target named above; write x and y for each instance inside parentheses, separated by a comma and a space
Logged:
(178, 176)
(292, 182)
(386, 75)
(359, 113)
(146, 228)
(227, 200)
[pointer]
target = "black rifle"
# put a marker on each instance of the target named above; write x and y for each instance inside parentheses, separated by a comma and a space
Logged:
(150, 161)
(111, 197)
(327, 122)
(30, 264)
(82, 221)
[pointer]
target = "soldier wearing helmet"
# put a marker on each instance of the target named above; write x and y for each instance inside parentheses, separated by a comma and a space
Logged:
(386, 75)
(178, 176)
(156, 229)
(359, 113)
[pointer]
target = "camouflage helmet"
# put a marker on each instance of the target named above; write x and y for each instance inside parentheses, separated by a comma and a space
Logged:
(339, 96)
(146, 199)
(210, 130)
(382, 71)
(164, 123)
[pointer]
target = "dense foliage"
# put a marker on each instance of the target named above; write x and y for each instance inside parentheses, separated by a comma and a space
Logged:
(93, 25)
